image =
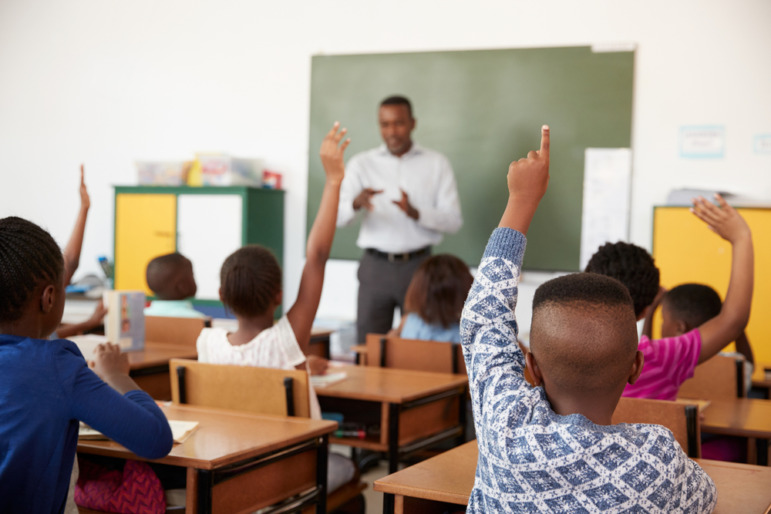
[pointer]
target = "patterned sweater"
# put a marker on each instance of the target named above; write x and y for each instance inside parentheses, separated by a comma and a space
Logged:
(534, 460)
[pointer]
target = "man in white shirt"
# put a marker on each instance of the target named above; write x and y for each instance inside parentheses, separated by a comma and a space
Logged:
(409, 199)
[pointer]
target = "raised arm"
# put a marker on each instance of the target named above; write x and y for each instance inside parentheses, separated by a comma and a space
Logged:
(488, 324)
(303, 312)
(75, 244)
(735, 313)
(647, 329)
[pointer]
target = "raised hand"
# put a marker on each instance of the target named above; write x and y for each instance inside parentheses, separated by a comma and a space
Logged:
(332, 153)
(364, 199)
(527, 180)
(724, 220)
(85, 200)
(405, 205)
(528, 177)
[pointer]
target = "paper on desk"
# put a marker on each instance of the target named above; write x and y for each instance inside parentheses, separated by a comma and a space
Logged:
(327, 378)
(180, 430)
(88, 343)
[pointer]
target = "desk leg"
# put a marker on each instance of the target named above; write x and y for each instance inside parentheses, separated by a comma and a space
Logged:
(761, 446)
(205, 482)
(388, 503)
(393, 437)
(321, 474)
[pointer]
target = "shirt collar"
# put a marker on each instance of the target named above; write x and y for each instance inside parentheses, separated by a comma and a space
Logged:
(415, 149)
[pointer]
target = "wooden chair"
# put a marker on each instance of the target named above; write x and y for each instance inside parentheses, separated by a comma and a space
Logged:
(719, 378)
(679, 417)
(414, 354)
(253, 389)
(246, 388)
(181, 331)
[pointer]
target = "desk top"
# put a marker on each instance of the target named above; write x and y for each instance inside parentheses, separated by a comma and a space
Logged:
(223, 437)
(159, 354)
(449, 477)
(390, 385)
(745, 417)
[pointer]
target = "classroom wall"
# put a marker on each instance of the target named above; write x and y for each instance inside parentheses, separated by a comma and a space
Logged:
(106, 83)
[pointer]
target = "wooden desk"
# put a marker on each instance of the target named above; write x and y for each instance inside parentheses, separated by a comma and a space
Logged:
(150, 367)
(742, 417)
(238, 462)
(438, 484)
(413, 409)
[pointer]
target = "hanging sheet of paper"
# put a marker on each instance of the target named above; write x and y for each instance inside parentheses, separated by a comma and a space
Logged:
(607, 183)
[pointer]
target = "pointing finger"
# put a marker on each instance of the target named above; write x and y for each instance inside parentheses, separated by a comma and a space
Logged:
(544, 152)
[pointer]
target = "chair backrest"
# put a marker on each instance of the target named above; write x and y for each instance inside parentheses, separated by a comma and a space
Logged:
(246, 388)
(679, 417)
(414, 354)
(719, 378)
(182, 331)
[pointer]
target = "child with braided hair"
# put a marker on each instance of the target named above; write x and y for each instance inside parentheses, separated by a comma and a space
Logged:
(46, 386)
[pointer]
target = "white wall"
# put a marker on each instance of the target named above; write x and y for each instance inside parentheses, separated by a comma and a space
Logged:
(106, 83)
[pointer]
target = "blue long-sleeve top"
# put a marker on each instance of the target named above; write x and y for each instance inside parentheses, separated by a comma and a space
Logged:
(46, 388)
(533, 460)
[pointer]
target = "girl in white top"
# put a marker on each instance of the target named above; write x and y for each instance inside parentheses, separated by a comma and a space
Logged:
(250, 286)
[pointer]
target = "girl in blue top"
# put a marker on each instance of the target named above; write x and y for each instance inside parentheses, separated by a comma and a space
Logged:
(434, 300)
(46, 387)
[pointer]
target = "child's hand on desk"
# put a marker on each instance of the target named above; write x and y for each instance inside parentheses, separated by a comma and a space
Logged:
(723, 220)
(109, 361)
(317, 365)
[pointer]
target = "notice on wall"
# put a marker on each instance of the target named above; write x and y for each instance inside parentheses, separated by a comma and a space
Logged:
(607, 183)
(763, 143)
(702, 142)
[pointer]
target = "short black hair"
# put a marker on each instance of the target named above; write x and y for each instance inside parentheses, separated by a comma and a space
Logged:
(250, 279)
(161, 269)
(582, 288)
(398, 100)
(633, 266)
(28, 257)
(693, 304)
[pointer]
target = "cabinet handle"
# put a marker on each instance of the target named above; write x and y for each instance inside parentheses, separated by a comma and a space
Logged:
(162, 233)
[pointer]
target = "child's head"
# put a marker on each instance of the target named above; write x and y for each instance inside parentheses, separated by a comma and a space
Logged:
(583, 336)
(686, 307)
(632, 266)
(170, 277)
(31, 275)
(250, 281)
(438, 289)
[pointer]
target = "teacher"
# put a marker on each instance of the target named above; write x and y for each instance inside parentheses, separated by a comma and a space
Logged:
(408, 196)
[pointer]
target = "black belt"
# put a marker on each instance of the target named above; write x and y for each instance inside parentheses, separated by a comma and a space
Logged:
(399, 257)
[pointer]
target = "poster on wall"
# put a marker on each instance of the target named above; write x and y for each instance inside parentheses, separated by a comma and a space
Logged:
(702, 142)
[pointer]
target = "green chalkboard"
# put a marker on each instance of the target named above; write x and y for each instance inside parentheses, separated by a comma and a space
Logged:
(483, 109)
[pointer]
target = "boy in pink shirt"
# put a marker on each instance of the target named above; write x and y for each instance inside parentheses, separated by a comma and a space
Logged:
(670, 361)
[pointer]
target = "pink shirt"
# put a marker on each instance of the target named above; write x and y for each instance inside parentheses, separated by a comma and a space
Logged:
(668, 363)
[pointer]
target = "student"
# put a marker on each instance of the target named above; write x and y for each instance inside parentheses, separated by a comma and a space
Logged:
(170, 277)
(551, 448)
(47, 385)
(71, 254)
(251, 288)
(434, 300)
(670, 361)
(688, 306)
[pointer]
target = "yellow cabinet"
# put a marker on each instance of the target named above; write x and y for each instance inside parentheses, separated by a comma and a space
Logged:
(145, 227)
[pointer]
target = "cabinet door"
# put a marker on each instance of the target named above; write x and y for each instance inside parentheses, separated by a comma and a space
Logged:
(145, 227)
(208, 248)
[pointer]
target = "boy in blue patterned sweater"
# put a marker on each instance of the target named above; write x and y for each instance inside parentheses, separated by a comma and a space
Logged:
(552, 448)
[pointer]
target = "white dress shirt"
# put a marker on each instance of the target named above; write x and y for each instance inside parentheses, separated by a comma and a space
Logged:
(425, 175)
